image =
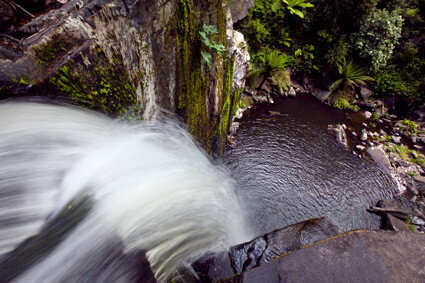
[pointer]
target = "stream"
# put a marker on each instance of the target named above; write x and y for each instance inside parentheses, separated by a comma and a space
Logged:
(288, 168)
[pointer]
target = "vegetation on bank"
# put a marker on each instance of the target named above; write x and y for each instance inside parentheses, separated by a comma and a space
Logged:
(381, 43)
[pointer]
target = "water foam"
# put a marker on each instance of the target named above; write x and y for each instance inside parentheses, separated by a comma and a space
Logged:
(151, 186)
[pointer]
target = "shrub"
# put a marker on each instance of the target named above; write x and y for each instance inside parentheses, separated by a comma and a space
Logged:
(410, 127)
(379, 34)
(342, 104)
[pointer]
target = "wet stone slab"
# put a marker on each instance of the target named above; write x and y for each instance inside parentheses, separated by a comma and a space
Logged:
(260, 250)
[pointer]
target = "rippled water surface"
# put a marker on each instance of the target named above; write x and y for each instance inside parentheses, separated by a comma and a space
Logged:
(288, 169)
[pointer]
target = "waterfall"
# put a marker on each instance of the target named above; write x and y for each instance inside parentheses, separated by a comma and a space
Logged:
(150, 188)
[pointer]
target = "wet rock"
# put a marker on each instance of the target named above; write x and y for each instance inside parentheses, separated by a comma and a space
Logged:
(418, 147)
(363, 256)
(419, 182)
(239, 8)
(365, 92)
(364, 125)
(395, 224)
(396, 139)
(367, 114)
(263, 249)
(339, 133)
(415, 155)
(379, 155)
(292, 92)
(413, 189)
(322, 95)
(363, 136)
(239, 49)
(354, 134)
(360, 147)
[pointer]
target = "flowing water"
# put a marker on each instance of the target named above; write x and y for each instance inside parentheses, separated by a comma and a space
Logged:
(289, 169)
(95, 191)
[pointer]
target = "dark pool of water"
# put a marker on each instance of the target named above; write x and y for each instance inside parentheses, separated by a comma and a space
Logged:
(289, 169)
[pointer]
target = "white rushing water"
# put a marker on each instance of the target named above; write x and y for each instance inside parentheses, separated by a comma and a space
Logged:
(151, 186)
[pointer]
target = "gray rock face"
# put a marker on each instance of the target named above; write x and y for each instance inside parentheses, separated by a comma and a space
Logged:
(365, 92)
(367, 114)
(292, 92)
(363, 136)
(239, 49)
(358, 256)
(379, 156)
(144, 51)
(263, 249)
(240, 8)
(339, 133)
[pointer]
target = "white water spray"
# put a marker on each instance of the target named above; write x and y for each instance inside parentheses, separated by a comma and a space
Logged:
(152, 188)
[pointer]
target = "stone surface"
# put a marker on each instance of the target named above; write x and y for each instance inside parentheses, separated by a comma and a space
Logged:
(292, 92)
(360, 147)
(393, 223)
(263, 249)
(367, 114)
(240, 8)
(239, 49)
(357, 256)
(365, 92)
(108, 55)
(363, 136)
(396, 139)
(379, 155)
(339, 133)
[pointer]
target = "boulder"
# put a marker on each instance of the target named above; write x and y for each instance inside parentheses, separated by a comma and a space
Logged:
(367, 114)
(363, 136)
(239, 8)
(396, 139)
(322, 95)
(379, 155)
(360, 147)
(356, 256)
(339, 133)
(393, 223)
(261, 250)
(292, 92)
(239, 49)
(365, 92)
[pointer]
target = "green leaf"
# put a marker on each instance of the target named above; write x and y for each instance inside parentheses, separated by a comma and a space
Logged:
(207, 57)
(296, 12)
(298, 52)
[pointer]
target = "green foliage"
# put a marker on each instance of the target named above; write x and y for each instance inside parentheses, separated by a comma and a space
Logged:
(355, 108)
(350, 75)
(410, 127)
(211, 45)
(271, 67)
(293, 6)
(391, 82)
(342, 104)
(378, 36)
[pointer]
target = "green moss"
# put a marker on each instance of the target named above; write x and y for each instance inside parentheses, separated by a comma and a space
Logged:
(50, 50)
(230, 103)
(194, 81)
(106, 87)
